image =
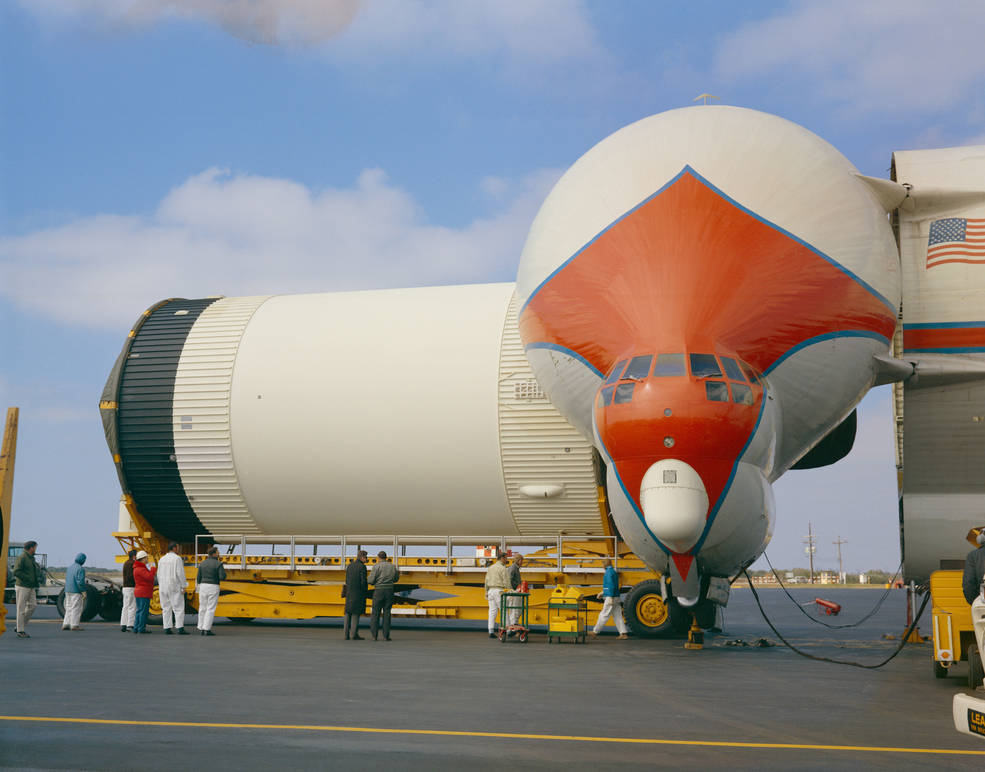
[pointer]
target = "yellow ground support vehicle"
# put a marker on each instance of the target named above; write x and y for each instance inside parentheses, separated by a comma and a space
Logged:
(953, 633)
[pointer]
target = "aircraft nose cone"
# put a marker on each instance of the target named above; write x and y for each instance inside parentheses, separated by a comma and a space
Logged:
(674, 503)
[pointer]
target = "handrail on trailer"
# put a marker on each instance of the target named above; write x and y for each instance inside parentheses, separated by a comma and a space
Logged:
(556, 541)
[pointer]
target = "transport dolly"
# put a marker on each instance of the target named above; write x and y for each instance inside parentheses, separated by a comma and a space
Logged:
(567, 615)
(510, 602)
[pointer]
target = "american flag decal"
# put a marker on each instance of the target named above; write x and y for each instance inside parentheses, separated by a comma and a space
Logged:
(956, 240)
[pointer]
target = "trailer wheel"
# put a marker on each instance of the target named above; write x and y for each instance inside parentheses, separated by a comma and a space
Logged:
(646, 612)
(92, 604)
(60, 604)
(939, 670)
(975, 673)
(240, 620)
(112, 607)
(155, 611)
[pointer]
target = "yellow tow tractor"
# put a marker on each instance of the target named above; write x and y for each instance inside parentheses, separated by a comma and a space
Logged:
(954, 634)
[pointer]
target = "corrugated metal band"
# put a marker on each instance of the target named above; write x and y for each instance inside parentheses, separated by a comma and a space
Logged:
(203, 441)
(146, 438)
(540, 447)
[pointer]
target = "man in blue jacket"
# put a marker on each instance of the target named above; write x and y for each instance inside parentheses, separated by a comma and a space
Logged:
(75, 588)
(613, 602)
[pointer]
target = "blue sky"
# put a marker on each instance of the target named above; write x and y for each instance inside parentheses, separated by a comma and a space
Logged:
(157, 148)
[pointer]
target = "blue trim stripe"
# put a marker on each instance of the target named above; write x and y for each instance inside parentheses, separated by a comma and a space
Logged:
(731, 478)
(718, 191)
(952, 350)
(602, 232)
(610, 464)
(568, 352)
(827, 336)
(943, 325)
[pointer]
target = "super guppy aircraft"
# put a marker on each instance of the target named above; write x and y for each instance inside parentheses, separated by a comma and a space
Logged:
(703, 298)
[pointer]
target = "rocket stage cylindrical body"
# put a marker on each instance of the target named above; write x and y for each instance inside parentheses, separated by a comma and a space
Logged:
(386, 412)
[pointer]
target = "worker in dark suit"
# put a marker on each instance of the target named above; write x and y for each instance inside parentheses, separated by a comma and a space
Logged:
(356, 590)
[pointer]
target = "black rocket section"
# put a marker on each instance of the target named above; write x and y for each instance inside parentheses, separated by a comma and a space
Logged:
(145, 419)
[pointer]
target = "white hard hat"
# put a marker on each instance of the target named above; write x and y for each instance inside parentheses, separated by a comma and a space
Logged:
(141, 555)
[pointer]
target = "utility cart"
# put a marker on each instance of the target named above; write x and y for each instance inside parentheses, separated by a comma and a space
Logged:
(514, 601)
(567, 615)
(953, 630)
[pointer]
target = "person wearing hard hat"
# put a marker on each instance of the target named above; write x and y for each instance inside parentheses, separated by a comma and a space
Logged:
(497, 582)
(75, 593)
(973, 586)
(171, 584)
(143, 580)
(612, 605)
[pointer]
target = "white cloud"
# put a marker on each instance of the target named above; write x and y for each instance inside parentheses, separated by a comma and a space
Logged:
(220, 233)
(516, 30)
(518, 33)
(882, 55)
(259, 21)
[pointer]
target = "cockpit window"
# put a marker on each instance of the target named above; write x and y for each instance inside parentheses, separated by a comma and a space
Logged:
(605, 396)
(616, 372)
(732, 369)
(704, 366)
(741, 394)
(750, 373)
(670, 364)
(716, 391)
(639, 367)
(624, 393)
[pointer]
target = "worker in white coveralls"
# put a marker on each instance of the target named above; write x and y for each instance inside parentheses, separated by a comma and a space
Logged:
(973, 586)
(497, 582)
(612, 605)
(75, 593)
(171, 584)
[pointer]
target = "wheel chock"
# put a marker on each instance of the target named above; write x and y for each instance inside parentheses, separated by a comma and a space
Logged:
(695, 637)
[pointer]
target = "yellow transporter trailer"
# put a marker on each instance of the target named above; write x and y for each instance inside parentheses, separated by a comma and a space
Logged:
(285, 577)
(953, 632)
(8, 453)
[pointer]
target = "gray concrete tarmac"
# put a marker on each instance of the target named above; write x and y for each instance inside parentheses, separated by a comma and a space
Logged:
(479, 695)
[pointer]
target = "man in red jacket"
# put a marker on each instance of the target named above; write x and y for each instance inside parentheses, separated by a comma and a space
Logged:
(143, 580)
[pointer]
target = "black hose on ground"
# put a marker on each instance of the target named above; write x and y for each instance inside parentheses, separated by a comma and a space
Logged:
(821, 621)
(906, 635)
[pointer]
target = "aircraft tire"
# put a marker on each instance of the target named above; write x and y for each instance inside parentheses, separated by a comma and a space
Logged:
(646, 612)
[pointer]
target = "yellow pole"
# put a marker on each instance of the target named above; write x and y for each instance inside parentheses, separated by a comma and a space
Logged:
(8, 450)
